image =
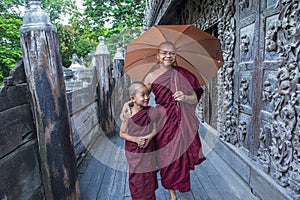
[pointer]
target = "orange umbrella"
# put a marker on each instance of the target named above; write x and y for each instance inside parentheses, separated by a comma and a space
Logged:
(196, 51)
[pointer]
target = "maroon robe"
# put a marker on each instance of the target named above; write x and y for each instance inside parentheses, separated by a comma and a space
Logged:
(178, 142)
(141, 161)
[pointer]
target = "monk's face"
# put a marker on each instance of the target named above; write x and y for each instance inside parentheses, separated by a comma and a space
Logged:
(166, 55)
(141, 97)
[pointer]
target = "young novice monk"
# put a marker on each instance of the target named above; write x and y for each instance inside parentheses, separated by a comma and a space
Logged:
(138, 131)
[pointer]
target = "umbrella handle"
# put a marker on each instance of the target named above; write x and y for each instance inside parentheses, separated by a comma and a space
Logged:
(176, 88)
(175, 80)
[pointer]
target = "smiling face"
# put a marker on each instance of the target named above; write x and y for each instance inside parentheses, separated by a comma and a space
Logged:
(166, 54)
(141, 96)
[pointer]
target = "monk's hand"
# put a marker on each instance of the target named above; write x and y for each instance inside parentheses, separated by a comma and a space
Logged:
(126, 112)
(147, 140)
(141, 142)
(179, 96)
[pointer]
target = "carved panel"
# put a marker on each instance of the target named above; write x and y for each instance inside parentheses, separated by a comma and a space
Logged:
(271, 3)
(246, 8)
(263, 153)
(185, 16)
(246, 43)
(210, 12)
(243, 133)
(268, 92)
(271, 36)
(244, 91)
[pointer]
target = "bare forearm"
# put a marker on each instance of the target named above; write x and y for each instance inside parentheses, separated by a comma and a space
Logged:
(186, 98)
(190, 99)
(127, 137)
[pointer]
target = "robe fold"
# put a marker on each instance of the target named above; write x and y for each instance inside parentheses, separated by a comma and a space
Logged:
(178, 142)
(141, 161)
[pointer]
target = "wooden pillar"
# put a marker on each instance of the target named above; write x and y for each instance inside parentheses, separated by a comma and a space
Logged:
(44, 74)
(105, 88)
(122, 82)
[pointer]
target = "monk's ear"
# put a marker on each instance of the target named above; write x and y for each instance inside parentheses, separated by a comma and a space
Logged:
(132, 98)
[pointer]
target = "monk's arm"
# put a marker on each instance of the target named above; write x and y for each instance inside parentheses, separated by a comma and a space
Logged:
(153, 132)
(186, 98)
(151, 135)
(126, 111)
(123, 134)
(191, 98)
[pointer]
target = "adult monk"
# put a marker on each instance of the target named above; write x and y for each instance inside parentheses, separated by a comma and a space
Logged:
(178, 142)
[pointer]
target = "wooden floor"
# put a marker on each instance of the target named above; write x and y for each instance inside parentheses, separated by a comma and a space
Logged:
(103, 176)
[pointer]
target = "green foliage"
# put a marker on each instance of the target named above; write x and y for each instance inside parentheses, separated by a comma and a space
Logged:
(10, 49)
(80, 36)
(125, 17)
(121, 37)
(74, 42)
(6, 6)
(117, 13)
(58, 9)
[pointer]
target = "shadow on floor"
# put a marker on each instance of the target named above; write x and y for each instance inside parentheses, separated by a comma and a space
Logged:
(103, 176)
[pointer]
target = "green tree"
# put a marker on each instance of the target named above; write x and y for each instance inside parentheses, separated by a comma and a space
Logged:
(10, 22)
(117, 13)
(125, 17)
(10, 49)
(80, 36)
(75, 41)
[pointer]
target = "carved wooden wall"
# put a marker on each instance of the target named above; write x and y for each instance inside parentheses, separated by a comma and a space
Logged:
(259, 81)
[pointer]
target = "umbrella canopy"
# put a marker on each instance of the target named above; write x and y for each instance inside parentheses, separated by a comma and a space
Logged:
(196, 51)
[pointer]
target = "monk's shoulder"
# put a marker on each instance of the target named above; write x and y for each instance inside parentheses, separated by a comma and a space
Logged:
(149, 78)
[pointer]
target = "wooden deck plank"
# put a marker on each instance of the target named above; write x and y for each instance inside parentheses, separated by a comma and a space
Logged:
(112, 186)
(94, 173)
(218, 181)
(107, 183)
(209, 181)
(93, 182)
(197, 188)
(231, 181)
(105, 188)
(118, 189)
(186, 195)
(127, 190)
(161, 193)
(91, 177)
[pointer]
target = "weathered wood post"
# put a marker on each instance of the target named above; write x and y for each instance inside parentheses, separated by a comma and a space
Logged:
(105, 87)
(122, 82)
(44, 74)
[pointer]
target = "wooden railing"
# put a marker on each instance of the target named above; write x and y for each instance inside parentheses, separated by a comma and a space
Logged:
(45, 131)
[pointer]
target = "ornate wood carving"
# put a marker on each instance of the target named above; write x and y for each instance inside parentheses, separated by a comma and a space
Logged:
(242, 130)
(271, 37)
(210, 12)
(227, 36)
(267, 92)
(244, 4)
(244, 93)
(284, 149)
(205, 15)
(245, 42)
(263, 153)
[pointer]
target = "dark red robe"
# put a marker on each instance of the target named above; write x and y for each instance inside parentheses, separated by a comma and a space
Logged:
(141, 161)
(178, 142)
